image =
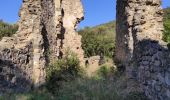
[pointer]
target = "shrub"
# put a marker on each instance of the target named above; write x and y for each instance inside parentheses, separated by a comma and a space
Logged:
(63, 70)
(7, 29)
(104, 71)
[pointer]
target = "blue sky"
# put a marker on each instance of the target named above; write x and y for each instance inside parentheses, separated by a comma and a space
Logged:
(96, 11)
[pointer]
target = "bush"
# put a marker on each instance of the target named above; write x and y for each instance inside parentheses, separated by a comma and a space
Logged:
(65, 69)
(7, 29)
(104, 72)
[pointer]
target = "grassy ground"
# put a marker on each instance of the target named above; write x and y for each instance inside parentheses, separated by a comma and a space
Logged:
(105, 87)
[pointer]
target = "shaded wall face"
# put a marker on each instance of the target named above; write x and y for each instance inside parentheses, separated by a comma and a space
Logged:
(122, 32)
(151, 69)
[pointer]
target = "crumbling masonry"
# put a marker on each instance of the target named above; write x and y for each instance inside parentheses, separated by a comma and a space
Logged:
(47, 29)
(140, 48)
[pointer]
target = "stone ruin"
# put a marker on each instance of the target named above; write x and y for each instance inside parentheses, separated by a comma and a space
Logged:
(139, 46)
(47, 29)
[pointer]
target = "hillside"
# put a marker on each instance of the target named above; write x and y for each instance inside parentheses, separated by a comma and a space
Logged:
(99, 40)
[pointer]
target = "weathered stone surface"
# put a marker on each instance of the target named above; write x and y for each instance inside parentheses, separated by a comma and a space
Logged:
(46, 29)
(20, 54)
(74, 14)
(158, 80)
(92, 65)
(140, 48)
(136, 20)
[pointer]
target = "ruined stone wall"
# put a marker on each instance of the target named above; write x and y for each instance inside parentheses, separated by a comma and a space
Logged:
(151, 68)
(140, 48)
(73, 14)
(60, 19)
(136, 20)
(46, 29)
(20, 54)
